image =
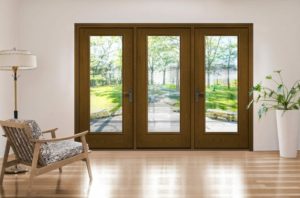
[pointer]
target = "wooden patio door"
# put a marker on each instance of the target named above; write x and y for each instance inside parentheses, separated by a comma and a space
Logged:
(177, 86)
(105, 86)
(222, 83)
(163, 88)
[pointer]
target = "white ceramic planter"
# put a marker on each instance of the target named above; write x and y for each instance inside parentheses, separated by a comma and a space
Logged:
(288, 128)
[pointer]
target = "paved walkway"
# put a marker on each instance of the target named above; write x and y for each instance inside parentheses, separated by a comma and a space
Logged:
(161, 119)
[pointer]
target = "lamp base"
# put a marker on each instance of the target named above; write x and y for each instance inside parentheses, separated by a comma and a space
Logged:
(15, 170)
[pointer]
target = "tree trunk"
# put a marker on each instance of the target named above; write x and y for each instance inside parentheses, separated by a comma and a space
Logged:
(164, 76)
(228, 77)
(208, 78)
(228, 70)
(177, 78)
(152, 76)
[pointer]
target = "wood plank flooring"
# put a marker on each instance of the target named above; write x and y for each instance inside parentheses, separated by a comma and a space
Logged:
(167, 174)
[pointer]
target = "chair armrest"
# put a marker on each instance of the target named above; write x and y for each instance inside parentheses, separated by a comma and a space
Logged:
(52, 131)
(59, 139)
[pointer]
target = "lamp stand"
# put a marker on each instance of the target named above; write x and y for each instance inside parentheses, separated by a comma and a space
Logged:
(15, 70)
(15, 169)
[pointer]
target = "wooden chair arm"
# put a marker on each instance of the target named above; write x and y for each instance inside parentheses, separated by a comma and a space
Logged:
(59, 139)
(52, 131)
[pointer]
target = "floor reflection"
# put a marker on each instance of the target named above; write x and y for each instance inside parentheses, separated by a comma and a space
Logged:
(225, 180)
(161, 181)
(107, 181)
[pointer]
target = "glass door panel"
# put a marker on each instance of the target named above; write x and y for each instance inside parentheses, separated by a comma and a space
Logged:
(163, 84)
(106, 83)
(221, 91)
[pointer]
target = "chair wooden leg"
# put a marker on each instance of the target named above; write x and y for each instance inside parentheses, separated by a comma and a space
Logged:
(87, 160)
(60, 170)
(34, 164)
(7, 148)
(88, 165)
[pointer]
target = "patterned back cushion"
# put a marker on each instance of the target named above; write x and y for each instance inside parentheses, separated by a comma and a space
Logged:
(35, 129)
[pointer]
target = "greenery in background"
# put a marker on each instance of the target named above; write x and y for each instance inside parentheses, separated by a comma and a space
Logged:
(106, 97)
(220, 56)
(105, 60)
(163, 55)
(221, 97)
(279, 98)
(221, 61)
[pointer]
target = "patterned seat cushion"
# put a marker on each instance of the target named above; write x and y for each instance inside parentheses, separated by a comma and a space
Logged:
(60, 150)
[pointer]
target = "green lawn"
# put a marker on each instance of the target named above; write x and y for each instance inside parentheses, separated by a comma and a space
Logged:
(220, 97)
(110, 97)
(106, 97)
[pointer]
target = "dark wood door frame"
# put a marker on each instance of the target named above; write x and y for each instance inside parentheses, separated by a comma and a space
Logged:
(134, 27)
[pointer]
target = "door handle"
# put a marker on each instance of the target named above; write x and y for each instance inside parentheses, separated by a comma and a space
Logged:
(129, 94)
(199, 94)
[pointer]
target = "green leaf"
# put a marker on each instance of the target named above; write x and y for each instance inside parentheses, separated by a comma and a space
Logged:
(257, 87)
(269, 77)
(280, 98)
(258, 97)
(271, 93)
(277, 71)
(295, 107)
(259, 113)
(280, 88)
(293, 91)
(262, 110)
(265, 94)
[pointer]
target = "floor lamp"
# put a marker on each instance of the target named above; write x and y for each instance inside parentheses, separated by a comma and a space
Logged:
(14, 60)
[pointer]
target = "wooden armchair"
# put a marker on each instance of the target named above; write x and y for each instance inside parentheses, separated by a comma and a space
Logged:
(43, 155)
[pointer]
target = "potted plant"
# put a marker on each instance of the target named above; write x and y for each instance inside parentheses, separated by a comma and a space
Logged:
(286, 102)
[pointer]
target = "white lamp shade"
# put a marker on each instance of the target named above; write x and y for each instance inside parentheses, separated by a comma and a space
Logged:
(21, 59)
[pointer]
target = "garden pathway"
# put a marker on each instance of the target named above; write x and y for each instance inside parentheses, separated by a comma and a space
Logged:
(161, 119)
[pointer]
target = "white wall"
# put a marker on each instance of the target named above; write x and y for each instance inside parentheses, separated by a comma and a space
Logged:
(8, 40)
(47, 28)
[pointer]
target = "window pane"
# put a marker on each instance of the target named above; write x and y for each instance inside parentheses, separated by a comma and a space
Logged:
(106, 83)
(221, 102)
(163, 83)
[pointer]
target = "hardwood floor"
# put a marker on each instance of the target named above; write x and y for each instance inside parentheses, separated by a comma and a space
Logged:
(167, 174)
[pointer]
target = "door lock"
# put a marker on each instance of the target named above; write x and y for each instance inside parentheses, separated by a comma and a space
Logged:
(129, 95)
(199, 94)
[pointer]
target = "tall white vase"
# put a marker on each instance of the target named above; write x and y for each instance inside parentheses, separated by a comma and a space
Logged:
(288, 128)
